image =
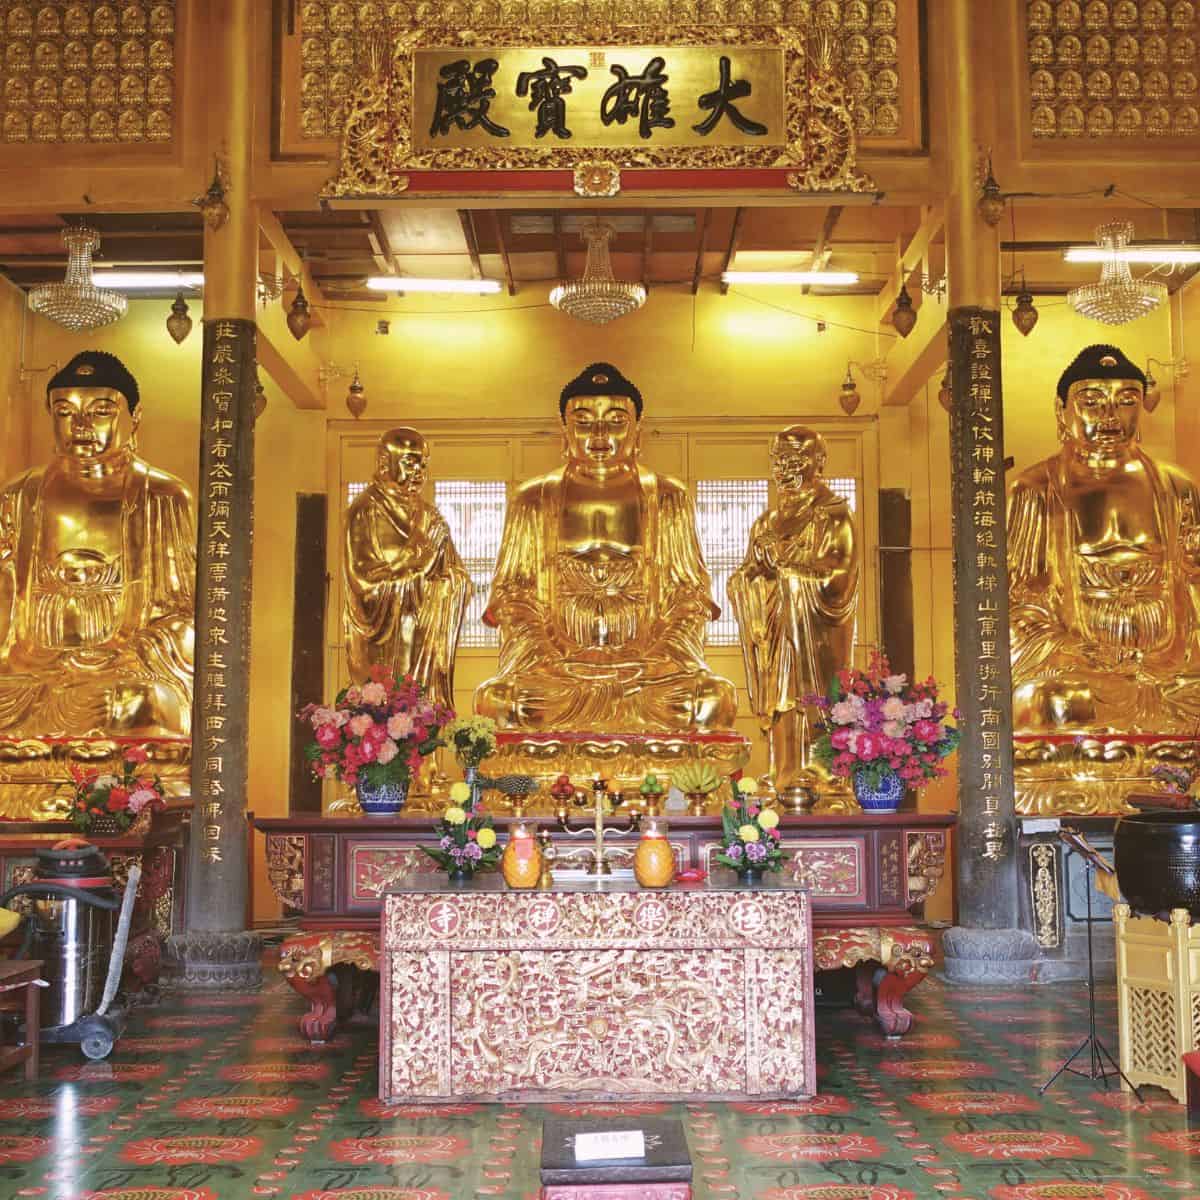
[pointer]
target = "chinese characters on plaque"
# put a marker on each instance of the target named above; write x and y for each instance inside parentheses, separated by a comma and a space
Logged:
(981, 579)
(218, 765)
(615, 96)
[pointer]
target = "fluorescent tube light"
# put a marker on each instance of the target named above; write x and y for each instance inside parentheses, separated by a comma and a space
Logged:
(1159, 255)
(818, 278)
(161, 281)
(410, 283)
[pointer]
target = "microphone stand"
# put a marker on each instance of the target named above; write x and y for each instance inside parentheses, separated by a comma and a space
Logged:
(1097, 1050)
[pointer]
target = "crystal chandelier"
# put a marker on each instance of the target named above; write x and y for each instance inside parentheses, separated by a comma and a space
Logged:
(598, 297)
(76, 302)
(1118, 297)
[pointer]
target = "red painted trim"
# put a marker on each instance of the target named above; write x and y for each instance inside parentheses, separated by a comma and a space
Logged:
(638, 739)
(1141, 739)
(486, 182)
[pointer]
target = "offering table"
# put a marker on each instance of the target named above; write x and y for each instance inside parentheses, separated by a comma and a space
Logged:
(868, 878)
(595, 990)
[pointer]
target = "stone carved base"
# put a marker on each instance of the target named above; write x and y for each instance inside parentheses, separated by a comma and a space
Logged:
(990, 956)
(215, 960)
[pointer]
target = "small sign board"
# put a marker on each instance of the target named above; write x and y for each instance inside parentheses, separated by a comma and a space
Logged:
(610, 1143)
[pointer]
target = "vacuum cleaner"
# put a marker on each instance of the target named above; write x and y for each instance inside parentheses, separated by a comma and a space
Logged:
(70, 929)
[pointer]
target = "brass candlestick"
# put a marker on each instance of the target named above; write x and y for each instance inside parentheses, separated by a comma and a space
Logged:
(600, 864)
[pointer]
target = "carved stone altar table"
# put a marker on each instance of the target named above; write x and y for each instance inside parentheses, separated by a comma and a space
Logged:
(596, 991)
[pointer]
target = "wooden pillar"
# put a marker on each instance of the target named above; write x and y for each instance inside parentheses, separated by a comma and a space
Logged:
(986, 946)
(217, 950)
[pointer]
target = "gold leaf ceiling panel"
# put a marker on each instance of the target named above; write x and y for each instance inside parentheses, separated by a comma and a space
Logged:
(86, 72)
(1113, 68)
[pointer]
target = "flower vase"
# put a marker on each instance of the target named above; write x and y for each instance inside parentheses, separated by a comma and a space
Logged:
(885, 798)
(460, 875)
(471, 778)
(386, 800)
(749, 874)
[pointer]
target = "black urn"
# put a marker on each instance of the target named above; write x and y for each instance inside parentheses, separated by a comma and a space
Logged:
(1157, 856)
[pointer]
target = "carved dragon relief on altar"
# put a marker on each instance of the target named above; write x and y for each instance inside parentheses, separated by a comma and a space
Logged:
(818, 145)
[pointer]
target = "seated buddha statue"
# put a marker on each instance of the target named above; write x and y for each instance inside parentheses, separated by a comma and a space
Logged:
(1104, 567)
(601, 594)
(406, 588)
(98, 556)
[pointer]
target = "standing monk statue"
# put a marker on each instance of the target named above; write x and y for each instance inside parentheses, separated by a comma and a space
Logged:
(1104, 569)
(406, 588)
(794, 597)
(98, 554)
(600, 593)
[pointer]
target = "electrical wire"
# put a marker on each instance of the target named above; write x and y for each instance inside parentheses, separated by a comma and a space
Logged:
(808, 317)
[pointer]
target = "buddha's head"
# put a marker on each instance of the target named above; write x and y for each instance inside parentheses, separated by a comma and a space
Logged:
(94, 407)
(601, 412)
(1100, 402)
(797, 458)
(402, 459)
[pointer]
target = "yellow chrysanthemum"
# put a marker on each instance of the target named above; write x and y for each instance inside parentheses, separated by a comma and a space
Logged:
(460, 792)
(746, 786)
(768, 818)
(748, 833)
(485, 839)
(454, 815)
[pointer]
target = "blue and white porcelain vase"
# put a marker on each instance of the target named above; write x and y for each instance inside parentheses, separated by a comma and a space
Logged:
(882, 799)
(384, 801)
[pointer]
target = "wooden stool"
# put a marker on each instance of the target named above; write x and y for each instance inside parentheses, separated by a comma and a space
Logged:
(17, 975)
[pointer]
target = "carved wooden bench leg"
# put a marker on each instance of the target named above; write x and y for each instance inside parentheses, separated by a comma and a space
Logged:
(906, 955)
(306, 961)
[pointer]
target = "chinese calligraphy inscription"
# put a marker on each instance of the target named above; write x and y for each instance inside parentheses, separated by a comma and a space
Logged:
(981, 587)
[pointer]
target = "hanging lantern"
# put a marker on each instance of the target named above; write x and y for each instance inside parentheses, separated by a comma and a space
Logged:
(1025, 316)
(299, 317)
(260, 397)
(179, 324)
(356, 397)
(946, 393)
(212, 203)
(904, 317)
(991, 199)
(848, 397)
(1150, 393)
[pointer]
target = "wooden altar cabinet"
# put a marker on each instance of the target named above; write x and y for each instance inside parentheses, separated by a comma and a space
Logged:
(596, 990)
(868, 878)
(159, 906)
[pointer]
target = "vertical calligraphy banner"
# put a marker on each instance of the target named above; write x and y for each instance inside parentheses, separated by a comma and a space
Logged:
(220, 714)
(987, 890)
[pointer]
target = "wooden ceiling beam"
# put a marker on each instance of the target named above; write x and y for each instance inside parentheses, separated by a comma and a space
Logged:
(647, 248)
(468, 227)
(502, 242)
(701, 246)
(560, 249)
(933, 218)
(381, 246)
(824, 238)
(735, 240)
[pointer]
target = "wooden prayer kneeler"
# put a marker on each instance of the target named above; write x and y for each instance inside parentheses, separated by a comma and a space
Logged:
(20, 980)
(664, 1173)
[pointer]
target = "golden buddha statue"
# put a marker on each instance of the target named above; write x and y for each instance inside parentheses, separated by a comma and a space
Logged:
(1104, 567)
(795, 596)
(406, 588)
(600, 593)
(98, 553)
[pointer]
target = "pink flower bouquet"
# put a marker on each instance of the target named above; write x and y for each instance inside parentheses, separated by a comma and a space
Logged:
(877, 723)
(375, 732)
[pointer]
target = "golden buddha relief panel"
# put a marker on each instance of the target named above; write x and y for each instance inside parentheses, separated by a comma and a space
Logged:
(1113, 68)
(334, 35)
(87, 72)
